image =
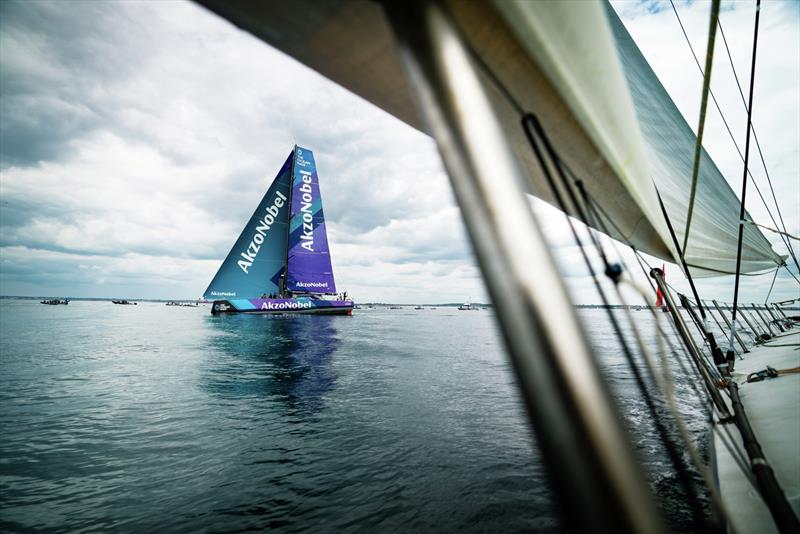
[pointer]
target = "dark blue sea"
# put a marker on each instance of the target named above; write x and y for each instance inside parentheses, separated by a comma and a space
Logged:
(156, 418)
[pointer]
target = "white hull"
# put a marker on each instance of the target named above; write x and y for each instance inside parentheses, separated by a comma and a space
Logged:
(773, 408)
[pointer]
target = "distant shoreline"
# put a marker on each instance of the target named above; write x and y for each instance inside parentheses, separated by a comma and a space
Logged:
(361, 304)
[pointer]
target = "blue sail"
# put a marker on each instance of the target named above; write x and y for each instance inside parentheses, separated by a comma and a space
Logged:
(308, 259)
(256, 262)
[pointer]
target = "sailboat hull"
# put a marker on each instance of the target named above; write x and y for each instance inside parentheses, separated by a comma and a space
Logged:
(303, 305)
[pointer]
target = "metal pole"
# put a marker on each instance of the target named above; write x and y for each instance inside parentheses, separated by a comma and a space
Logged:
(732, 330)
(719, 325)
(776, 320)
(688, 305)
(758, 312)
(597, 478)
(708, 380)
(753, 330)
(780, 310)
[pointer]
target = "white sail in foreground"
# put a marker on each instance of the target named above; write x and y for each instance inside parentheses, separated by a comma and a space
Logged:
(604, 109)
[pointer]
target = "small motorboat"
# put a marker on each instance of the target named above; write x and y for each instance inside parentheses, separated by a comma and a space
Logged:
(125, 302)
(55, 302)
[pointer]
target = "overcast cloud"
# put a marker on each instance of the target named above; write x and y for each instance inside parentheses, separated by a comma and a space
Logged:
(137, 137)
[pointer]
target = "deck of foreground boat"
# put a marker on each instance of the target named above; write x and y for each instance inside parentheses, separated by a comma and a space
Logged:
(773, 408)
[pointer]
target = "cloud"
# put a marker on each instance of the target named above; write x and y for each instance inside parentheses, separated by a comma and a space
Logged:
(137, 138)
(151, 130)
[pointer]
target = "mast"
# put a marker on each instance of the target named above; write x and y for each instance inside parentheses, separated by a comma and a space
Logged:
(742, 212)
(285, 275)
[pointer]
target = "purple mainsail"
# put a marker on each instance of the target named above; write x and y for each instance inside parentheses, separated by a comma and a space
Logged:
(308, 259)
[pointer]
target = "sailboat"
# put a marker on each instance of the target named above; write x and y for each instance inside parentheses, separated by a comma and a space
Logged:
(55, 302)
(555, 99)
(281, 262)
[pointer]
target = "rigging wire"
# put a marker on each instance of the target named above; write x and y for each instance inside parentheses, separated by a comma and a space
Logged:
(786, 234)
(592, 211)
(698, 146)
(709, 367)
(665, 384)
(755, 137)
(791, 273)
(723, 363)
(500, 87)
(770, 288)
(533, 130)
(733, 138)
(736, 452)
(744, 176)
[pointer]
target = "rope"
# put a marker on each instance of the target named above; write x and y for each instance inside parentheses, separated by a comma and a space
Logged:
(790, 273)
(771, 372)
(664, 382)
(746, 159)
(770, 287)
(593, 209)
(787, 234)
(698, 146)
(711, 369)
(533, 130)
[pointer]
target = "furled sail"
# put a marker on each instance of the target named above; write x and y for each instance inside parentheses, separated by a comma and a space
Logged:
(562, 62)
(309, 260)
(256, 262)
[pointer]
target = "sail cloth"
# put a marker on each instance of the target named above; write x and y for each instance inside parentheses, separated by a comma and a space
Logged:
(562, 62)
(669, 144)
(309, 261)
(256, 262)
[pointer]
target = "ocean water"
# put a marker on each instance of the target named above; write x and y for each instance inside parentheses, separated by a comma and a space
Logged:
(148, 417)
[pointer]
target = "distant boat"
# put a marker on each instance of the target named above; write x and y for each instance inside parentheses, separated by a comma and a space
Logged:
(183, 304)
(282, 253)
(55, 302)
(418, 308)
(125, 302)
(395, 307)
(467, 306)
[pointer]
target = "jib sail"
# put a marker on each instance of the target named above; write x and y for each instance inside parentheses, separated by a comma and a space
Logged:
(256, 262)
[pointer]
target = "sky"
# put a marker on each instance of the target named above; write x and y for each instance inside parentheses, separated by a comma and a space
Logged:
(136, 138)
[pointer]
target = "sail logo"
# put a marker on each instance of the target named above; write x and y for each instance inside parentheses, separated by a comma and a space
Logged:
(249, 256)
(306, 200)
(286, 305)
(312, 284)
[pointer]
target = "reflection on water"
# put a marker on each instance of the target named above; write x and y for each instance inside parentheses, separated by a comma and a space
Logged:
(274, 356)
(155, 418)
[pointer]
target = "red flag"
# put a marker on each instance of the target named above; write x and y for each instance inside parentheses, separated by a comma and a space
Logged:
(659, 294)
